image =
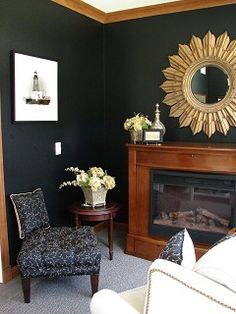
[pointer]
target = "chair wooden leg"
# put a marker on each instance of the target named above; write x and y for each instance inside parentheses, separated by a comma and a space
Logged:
(26, 289)
(94, 282)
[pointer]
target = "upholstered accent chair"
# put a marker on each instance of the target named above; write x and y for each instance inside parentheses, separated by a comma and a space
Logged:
(52, 251)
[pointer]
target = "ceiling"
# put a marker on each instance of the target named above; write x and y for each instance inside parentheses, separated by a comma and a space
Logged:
(108, 6)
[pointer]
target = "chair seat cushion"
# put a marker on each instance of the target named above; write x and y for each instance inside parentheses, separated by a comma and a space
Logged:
(59, 251)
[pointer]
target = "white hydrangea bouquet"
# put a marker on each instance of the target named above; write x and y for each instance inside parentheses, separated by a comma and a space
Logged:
(137, 123)
(95, 182)
(94, 178)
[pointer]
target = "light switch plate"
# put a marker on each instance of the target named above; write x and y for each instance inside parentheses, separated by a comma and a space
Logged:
(57, 148)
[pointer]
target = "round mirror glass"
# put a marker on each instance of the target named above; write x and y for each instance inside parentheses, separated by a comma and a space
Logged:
(209, 84)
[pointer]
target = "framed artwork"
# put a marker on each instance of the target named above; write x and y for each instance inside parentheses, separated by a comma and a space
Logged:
(154, 136)
(35, 88)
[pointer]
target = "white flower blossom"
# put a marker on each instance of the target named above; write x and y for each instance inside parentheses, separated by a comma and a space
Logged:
(109, 182)
(95, 183)
(137, 123)
(82, 178)
(96, 171)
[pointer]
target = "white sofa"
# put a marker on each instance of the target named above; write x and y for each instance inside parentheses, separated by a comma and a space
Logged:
(171, 288)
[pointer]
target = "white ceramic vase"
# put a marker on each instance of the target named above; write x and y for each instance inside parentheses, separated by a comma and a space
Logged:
(94, 199)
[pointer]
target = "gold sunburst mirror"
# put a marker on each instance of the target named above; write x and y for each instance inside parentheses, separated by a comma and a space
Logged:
(201, 84)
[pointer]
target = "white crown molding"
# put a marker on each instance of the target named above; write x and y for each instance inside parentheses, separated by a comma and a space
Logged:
(152, 10)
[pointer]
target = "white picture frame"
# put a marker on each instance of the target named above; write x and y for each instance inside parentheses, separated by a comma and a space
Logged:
(35, 88)
(153, 136)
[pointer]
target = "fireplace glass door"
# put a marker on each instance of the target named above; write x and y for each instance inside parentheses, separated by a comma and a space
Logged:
(202, 203)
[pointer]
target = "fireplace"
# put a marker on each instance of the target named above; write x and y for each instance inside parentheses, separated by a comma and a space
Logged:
(204, 174)
(202, 203)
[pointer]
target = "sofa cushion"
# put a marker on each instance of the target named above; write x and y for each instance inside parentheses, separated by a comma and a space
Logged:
(218, 263)
(180, 249)
(30, 210)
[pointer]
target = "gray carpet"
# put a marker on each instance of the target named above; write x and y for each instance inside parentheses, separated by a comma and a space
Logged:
(73, 294)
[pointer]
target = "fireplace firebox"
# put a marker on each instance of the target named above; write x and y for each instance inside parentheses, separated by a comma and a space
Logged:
(202, 203)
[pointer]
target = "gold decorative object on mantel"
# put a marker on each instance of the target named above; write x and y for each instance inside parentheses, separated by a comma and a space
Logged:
(201, 110)
(157, 124)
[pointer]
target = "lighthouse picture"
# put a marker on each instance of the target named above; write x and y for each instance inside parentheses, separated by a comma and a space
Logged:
(38, 96)
(35, 89)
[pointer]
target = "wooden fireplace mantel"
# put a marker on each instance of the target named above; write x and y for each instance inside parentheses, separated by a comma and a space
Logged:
(178, 156)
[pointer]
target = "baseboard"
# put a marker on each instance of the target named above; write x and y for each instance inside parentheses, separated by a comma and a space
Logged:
(100, 226)
(15, 271)
(10, 273)
(116, 225)
(121, 226)
(6, 274)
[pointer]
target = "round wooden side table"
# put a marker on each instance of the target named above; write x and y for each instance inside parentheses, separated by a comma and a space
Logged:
(102, 213)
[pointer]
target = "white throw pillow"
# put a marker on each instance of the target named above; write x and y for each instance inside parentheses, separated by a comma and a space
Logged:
(180, 250)
(218, 263)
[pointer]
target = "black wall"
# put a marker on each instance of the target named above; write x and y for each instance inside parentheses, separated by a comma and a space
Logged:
(136, 53)
(47, 30)
(90, 127)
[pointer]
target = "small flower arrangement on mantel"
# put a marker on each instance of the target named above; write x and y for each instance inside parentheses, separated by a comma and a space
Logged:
(136, 125)
(95, 182)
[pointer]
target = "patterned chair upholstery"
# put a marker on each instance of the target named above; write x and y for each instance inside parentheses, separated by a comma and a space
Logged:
(52, 251)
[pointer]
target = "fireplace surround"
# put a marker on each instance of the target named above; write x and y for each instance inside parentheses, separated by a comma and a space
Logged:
(214, 164)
